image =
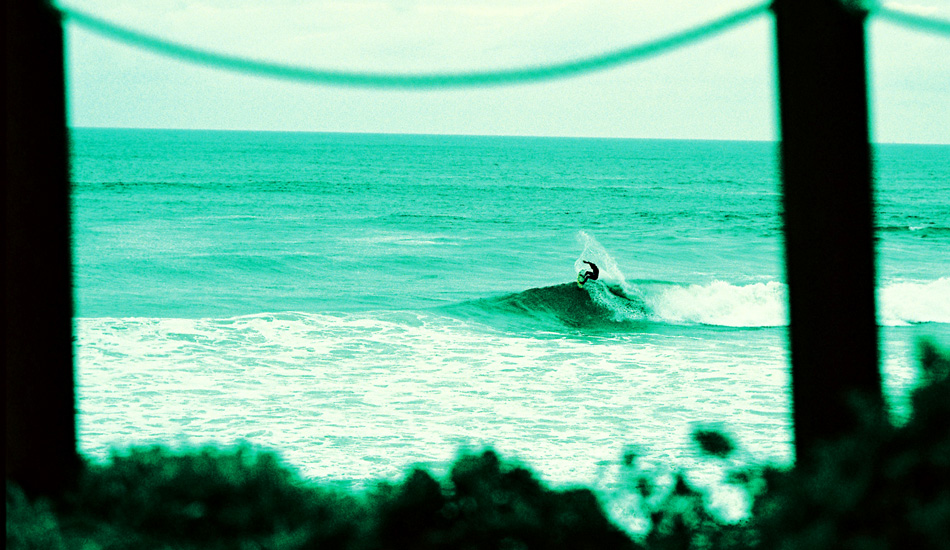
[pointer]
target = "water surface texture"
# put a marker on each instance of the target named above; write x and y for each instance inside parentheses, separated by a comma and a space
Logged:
(363, 303)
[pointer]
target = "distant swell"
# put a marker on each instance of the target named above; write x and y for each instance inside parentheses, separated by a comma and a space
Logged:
(924, 230)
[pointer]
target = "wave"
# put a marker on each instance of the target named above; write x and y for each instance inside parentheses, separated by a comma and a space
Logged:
(718, 303)
(923, 230)
(600, 306)
(611, 303)
(595, 306)
(607, 303)
(907, 303)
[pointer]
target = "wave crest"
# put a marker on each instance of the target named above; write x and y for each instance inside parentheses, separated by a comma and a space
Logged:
(602, 306)
(719, 303)
(596, 306)
(907, 303)
(612, 303)
(765, 304)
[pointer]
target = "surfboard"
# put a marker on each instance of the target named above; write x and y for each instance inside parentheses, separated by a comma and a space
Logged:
(580, 279)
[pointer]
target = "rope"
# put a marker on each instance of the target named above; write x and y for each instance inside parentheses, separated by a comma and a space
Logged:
(472, 79)
(425, 80)
(915, 22)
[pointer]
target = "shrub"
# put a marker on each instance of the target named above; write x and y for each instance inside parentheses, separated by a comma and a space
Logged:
(880, 487)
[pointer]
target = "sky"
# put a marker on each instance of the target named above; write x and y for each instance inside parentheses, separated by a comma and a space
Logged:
(721, 88)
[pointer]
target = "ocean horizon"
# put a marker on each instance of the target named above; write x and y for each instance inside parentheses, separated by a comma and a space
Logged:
(82, 128)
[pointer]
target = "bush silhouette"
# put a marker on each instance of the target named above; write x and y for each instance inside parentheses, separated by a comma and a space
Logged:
(880, 487)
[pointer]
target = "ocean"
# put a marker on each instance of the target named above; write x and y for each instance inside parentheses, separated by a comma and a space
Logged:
(361, 304)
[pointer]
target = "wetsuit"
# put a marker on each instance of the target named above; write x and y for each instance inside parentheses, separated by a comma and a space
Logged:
(592, 273)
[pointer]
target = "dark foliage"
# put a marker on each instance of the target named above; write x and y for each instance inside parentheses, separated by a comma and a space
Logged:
(213, 499)
(881, 487)
(207, 498)
(491, 505)
(684, 522)
(714, 443)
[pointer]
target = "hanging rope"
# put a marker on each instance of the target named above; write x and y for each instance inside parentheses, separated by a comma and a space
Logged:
(471, 79)
(915, 22)
(425, 80)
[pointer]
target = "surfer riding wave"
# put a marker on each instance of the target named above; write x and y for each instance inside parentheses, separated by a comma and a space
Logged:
(591, 274)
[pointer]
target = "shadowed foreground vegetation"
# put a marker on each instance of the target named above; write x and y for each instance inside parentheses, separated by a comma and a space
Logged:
(882, 487)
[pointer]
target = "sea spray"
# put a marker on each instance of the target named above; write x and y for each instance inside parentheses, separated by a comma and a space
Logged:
(611, 291)
(594, 252)
(622, 305)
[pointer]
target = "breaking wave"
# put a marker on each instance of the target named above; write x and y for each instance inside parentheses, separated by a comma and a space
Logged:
(612, 303)
(718, 303)
(608, 306)
(905, 303)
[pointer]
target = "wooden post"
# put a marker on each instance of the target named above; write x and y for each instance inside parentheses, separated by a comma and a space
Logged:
(829, 249)
(40, 411)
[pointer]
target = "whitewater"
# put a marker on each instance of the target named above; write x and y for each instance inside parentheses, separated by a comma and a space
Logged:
(361, 304)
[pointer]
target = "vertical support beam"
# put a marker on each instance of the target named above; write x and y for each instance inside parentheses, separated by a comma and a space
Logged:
(829, 249)
(40, 409)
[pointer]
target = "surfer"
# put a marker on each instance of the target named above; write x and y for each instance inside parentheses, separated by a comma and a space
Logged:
(591, 273)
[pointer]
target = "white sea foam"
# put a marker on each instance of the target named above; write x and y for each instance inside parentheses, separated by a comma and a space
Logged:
(764, 304)
(903, 303)
(720, 303)
(365, 396)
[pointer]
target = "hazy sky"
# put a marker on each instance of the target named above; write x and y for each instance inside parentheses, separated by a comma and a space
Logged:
(723, 88)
